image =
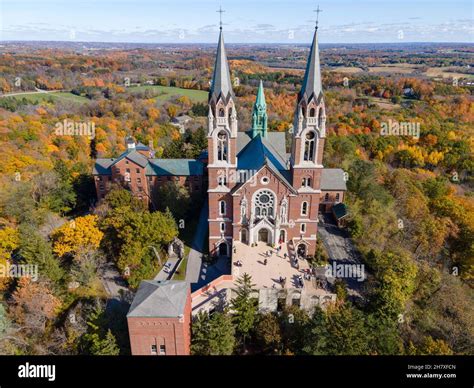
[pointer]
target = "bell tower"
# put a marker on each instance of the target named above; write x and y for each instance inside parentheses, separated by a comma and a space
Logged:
(222, 118)
(222, 153)
(309, 126)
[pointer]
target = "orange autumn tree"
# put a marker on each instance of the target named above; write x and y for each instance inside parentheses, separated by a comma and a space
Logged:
(34, 304)
(77, 236)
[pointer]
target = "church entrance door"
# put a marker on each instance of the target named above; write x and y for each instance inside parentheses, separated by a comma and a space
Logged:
(223, 249)
(301, 250)
(263, 235)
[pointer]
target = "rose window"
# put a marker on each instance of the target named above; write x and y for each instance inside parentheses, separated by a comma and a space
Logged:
(264, 204)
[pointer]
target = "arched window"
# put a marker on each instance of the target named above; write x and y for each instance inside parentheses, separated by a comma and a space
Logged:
(222, 227)
(303, 228)
(304, 208)
(309, 146)
(306, 182)
(326, 197)
(221, 112)
(222, 146)
(230, 113)
(222, 208)
(312, 112)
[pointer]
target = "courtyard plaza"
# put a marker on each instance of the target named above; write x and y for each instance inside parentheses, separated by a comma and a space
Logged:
(278, 265)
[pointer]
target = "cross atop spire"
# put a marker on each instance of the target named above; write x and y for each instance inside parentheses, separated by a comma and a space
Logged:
(221, 11)
(318, 11)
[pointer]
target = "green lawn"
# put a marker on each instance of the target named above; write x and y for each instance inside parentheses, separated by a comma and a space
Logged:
(34, 97)
(166, 92)
(180, 273)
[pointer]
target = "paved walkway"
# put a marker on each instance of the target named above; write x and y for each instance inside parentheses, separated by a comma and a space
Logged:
(36, 91)
(162, 275)
(115, 286)
(193, 268)
(340, 249)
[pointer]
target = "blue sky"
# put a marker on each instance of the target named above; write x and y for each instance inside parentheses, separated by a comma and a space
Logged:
(245, 21)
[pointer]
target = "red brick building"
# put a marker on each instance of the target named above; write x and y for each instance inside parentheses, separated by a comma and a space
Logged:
(258, 192)
(137, 170)
(159, 319)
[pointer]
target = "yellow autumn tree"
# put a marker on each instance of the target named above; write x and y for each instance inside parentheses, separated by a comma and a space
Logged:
(172, 110)
(76, 236)
(8, 242)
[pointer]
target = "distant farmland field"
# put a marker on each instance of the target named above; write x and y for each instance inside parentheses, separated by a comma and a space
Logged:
(166, 92)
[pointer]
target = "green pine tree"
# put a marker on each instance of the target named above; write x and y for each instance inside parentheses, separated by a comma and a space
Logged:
(244, 307)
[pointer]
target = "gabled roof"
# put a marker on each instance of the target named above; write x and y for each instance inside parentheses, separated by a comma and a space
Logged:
(102, 166)
(142, 147)
(332, 179)
(221, 84)
(312, 85)
(173, 167)
(256, 152)
(166, 299)
(135, 157)
(277, 141)
(261, 151)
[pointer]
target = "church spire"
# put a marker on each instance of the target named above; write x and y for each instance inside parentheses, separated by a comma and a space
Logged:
(312, 79)
(260, 96)
(259, 115)
(221, 84)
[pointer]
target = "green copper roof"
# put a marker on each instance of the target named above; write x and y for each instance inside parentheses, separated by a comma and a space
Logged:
(259, 115)
(260, 96)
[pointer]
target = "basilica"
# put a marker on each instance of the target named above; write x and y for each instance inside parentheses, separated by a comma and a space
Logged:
(258, 191)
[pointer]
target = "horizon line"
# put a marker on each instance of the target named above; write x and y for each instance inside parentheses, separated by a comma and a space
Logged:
(232, 43)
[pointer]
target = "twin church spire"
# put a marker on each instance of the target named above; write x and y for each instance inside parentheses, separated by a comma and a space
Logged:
(221, 95)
